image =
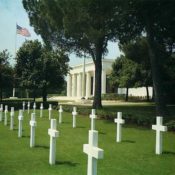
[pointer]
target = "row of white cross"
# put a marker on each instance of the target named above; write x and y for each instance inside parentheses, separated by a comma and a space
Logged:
(91, 149)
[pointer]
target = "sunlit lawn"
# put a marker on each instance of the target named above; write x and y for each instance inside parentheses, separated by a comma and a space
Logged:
(134, 156)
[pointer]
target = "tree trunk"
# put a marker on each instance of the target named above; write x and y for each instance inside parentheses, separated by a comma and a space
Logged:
(98, 70)
(0, 87)
(34, 95)
(161, 109)
(147, 93)
(126, 96)
(97, 95)
(44, 94)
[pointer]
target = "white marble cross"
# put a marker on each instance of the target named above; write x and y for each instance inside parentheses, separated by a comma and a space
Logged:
(159, 129)
(74, 113)
(93, 117)
(41, 110)
(92, 149)
(119, 122)
(1, 112)
(20, 118)
(32, 130)
(34, 107)
(28, 105)
(5, 115)
(53, 135)
(23, 106)
(50, 111)
(12, 118)
(60, 114)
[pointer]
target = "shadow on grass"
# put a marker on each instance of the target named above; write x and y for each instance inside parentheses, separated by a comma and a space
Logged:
(80, 127)
(42, 146)
(26, 136)
(69, 163)
(15, 129)
(65, 122)
(129, 141)
(102, 133)
(169, 152)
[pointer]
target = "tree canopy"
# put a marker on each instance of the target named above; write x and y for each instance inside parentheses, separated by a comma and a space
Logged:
(6, 71)
(40, 68)
(83, 27)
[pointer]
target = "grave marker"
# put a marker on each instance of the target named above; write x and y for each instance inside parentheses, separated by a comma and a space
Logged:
(23, 106)
(60, 114)
(20, 118)
(34, 107)
(12, 118)
(159, 129)
(5, 115)
(1, 112)
(41, 110)
(74, 113)
(119, 122)
(53, 135)
(32, 130)
(50, 111)
(28, 105)
(92, 149)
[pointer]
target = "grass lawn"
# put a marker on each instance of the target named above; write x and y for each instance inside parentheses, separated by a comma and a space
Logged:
(134, 156)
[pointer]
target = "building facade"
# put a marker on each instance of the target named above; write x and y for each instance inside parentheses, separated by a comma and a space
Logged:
(80, 86)
(81, 81)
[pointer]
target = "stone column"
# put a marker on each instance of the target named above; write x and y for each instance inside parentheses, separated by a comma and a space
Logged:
(69, 85)
(94, 83)
(79, 85)
(88, 84)
(74, 85)
(103, 82)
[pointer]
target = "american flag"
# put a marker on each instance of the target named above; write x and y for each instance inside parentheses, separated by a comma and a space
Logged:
(22, 31)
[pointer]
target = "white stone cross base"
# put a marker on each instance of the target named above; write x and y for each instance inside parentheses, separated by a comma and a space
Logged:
(159, 129)
(119, 122)
(93, 152)
(93, 117)
(60, 114)
(74, 113)
(20, 118)
(12, 118)
(53, 135)
(32, 130)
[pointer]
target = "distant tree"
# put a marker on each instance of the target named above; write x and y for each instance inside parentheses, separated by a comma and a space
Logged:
(137, 50)
(125, 73)
(149, 17)
(6, 71)
(40, 68)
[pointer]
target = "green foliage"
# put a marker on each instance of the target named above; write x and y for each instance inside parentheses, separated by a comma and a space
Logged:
(134, 113)
(137, 50)
(6, 72)
(40, 68)
(125, 73)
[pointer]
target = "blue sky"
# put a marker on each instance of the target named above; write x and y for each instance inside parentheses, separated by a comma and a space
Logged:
(12, 12)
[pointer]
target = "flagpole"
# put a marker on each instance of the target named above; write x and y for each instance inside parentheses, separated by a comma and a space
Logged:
(15, 58)
(15, 39)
